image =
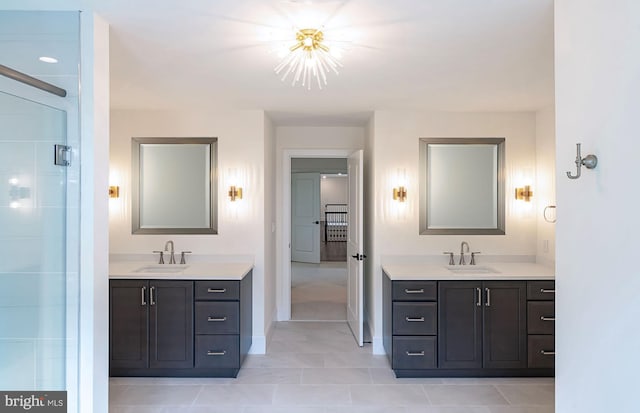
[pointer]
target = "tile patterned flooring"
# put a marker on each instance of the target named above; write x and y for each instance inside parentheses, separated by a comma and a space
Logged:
(316, 367)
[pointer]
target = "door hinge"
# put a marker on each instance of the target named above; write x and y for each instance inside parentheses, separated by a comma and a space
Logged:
(359, 257)
(62, 155)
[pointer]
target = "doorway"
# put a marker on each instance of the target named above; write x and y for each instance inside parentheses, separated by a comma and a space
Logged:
(354, 304)
(319, 197)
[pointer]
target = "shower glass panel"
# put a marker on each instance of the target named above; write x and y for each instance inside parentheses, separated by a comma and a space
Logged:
(39, 206)
(32, 271)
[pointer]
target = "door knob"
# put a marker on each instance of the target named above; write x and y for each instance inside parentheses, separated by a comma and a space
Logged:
(316, 222)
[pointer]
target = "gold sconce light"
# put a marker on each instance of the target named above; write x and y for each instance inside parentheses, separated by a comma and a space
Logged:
(114, 191)
(235, 192)
(524, 194)
(400, 194)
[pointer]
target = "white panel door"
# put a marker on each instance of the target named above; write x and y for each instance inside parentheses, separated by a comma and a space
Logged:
(354, 248)
(305, 217)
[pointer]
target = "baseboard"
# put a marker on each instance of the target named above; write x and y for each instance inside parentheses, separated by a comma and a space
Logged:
(377, 346)
(258, 345)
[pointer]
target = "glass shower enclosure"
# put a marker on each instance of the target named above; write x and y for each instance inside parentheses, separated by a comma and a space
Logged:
(39, 205)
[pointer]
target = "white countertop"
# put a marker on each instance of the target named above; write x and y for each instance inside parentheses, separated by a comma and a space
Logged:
(191, 271)
(500, 271)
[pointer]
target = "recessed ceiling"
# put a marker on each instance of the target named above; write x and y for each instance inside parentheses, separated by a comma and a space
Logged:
(453, 55)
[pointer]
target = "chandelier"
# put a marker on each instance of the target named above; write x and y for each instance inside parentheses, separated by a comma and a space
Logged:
(309, 58)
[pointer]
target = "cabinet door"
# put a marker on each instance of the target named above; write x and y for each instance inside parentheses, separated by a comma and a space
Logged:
(459, 325)
(505, 324)
(128, 321)
(171, 324)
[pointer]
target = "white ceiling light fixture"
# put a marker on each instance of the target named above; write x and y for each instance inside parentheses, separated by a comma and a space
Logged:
(309, 57)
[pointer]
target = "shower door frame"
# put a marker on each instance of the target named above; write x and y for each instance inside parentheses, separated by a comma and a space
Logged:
(70, 105)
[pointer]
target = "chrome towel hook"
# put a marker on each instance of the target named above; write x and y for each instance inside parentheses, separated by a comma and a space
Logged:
(589, 161)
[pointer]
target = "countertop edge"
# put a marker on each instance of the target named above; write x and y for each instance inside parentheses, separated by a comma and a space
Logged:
(197, 272)
(505, 272)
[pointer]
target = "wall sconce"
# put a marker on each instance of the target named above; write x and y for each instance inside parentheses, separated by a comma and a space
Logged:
(524, 194)
(400, 194)
(114, 191)
(235, 192)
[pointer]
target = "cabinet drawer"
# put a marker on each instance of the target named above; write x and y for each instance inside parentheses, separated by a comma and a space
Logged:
(217, 317)
(541, 290)
(216, 351)
(415, 291)
(414, 353)
(541, 351)
(217, 290)
(541, 317)
(412, 319)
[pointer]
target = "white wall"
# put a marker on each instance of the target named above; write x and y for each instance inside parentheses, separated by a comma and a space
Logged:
(94, 240)
(369, 232)
(597, 50)
(395, 144)
(333, 190)
(241, 224)
(269, 226)
(307, 140)
(544, 191)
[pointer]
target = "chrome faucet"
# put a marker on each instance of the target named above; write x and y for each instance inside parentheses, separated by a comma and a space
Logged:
(172, 258)
(462, 252)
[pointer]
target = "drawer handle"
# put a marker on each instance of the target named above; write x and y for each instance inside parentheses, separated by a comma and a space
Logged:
(216, 290)
(216, 353)
(415, 353)
(211, 319)
(547, 291)
(415, 320)
(544, 318)
(547, 353)
(408, 291)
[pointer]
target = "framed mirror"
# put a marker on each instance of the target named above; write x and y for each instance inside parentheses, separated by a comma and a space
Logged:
(174, 187)
(462, 186)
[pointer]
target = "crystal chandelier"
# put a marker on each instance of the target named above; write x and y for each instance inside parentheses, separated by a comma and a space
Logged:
(309, 58)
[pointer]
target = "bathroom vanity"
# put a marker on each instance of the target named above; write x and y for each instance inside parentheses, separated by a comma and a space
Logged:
(179, 320)
(469, 321)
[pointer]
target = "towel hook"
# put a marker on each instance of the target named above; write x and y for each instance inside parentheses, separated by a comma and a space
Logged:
(589, 161)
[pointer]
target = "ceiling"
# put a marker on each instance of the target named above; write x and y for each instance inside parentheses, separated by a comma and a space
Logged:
(453, 55)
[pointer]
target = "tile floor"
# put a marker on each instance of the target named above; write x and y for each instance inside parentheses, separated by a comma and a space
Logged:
(315, 367)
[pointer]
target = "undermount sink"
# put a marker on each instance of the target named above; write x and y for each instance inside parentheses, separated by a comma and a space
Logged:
(471, 269)
(162, 269)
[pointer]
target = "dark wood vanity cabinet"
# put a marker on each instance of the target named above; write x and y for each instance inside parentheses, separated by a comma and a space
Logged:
(541, 323)
(151, 324)
(481, 328)
(482, 324)
(179, 328)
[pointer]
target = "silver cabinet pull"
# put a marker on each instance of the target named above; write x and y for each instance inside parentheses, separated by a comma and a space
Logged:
(415, 353)
(216, 290)
(547, 291)
(216, 353)
(211, 319)
(415, 320)
(547, 353)
(544, 318)
(143, 293)
(151, 301)
(408, 291)
(488, 292)
(478, 297)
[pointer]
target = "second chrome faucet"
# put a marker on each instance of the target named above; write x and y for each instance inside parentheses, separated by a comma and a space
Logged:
(462, 260)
